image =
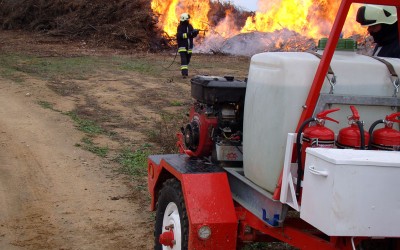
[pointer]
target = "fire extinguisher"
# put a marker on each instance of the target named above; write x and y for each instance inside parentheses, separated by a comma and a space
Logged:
(317, 136)
(354, 136)
(385, 138)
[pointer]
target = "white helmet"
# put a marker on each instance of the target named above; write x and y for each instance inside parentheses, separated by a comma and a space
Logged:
(369, 14)
(184, 17)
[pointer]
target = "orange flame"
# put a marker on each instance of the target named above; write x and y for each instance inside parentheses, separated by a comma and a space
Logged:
(310, 18)
(170, 10)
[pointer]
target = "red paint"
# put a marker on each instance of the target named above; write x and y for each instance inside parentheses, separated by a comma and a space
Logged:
(208, 202)
(387, 136)
(167, 239)
(318, 136)
(206, 125)
(350, 137)
(208, 197)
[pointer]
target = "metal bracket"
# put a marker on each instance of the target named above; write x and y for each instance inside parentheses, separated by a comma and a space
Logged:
(328, 99)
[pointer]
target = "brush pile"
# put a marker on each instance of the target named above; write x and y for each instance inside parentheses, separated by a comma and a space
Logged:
(129, 22)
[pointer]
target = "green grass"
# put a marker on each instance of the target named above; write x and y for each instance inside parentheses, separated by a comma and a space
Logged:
(175, 103)
(139, 65)
(268, 245)
(47, 67)
(134, 162)
(88, 144)
(46, 105)
(14, 65)
(87, 126)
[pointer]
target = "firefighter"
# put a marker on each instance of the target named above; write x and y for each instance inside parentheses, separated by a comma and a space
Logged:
(382, 25)
(185, 34)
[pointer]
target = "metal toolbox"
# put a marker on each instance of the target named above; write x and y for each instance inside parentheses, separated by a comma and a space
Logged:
(352, 192)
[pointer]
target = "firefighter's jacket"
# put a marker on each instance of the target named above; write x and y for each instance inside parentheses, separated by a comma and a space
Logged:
(185, 34)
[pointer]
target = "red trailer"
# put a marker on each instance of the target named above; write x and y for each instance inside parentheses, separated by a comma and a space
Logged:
(204, 197)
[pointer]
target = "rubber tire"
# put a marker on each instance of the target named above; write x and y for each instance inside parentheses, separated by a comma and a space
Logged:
(171, 192)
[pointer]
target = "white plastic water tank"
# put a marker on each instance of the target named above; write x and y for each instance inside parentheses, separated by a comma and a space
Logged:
(278, 86)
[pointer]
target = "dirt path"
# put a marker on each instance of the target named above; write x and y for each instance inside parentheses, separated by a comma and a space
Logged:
(54, 195)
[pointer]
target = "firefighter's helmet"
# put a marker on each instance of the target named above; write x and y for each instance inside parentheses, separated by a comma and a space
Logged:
(369, 14)
(184, 17)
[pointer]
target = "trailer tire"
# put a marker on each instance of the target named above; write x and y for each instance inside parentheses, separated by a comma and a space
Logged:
(171, 209)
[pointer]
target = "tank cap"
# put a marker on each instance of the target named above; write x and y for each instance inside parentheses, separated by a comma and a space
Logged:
(343, 44)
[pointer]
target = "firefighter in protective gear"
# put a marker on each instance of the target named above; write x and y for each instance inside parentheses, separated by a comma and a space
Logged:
(382, 25)
(185, 34)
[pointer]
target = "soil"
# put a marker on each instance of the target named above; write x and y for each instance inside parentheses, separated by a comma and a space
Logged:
(55, 195)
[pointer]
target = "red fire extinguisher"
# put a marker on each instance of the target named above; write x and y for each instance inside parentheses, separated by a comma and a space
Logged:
(354, 136)
(386, 138)
(317, 136)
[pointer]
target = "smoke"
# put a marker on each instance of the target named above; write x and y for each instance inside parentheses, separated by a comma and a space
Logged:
(248, 44)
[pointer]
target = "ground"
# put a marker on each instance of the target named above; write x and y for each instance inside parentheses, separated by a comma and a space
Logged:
(76, 122)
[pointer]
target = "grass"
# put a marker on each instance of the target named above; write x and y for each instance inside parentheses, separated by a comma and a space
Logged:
(88, 144)
(268, 245)
(143, 66)
(176, 103)
(46, 105)
(164, 133)
(47, 67)
(87, 126)
(14, 65)
(134, 162)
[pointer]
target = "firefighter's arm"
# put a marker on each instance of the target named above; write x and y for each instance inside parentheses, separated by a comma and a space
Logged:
(193, 33)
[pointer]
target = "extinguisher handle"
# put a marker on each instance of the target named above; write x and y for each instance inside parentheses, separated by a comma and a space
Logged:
(356, 116)
(324, 115)
(393, 117)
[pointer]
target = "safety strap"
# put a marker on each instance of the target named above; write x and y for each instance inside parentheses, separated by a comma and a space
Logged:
(330, 71)
(395, 77)
(332, 81)
(388, 65)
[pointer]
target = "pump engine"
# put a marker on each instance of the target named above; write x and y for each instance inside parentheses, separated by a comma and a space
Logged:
(216, 119)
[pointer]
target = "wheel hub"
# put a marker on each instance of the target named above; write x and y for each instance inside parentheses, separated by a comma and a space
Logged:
(170, 237)
(167, 239)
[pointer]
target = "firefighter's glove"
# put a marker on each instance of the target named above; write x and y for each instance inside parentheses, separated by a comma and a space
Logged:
(195, 33)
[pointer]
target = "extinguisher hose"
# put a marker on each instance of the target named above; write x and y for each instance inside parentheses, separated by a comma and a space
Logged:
(362, 135)
(371, 129)
(300, 170)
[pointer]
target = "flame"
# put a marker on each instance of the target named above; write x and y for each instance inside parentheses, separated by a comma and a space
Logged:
(309, 18)
(169, 12)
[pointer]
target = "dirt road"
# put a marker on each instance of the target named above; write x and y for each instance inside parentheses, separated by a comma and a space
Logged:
(54, 195)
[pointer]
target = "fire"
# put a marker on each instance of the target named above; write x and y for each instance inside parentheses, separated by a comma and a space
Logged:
(309, 18)
(170, 10)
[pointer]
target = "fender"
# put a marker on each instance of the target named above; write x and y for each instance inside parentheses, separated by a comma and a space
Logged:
(207, 198)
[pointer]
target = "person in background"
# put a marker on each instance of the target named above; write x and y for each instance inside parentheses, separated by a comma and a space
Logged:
(382, 25)
(185, 34)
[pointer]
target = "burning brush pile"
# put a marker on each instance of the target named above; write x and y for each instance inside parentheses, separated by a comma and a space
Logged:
(277, 25)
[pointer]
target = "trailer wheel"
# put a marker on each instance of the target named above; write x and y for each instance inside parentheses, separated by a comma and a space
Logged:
(171, 227)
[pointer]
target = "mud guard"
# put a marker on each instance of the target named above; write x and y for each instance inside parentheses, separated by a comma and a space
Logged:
(207, 197)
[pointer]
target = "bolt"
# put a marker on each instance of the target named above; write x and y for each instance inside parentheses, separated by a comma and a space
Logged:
(173, 242)
(247, 230)
(170, 227)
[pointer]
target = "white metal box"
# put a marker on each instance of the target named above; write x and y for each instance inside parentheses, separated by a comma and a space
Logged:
(352, 192)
